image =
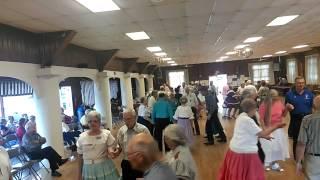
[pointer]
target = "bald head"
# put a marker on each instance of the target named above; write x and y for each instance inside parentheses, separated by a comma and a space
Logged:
(316, 103)
(142, 151)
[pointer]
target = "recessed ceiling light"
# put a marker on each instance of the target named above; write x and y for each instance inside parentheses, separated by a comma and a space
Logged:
(219, 60)
(167, 59)
(252, 39)
(138, 35)
(282, 20)
(160, 54)
(266, 56)
(231, 53)
(300, 46)
(154, 49)
(171, 62)
(240, 46)
(99, 5)
(280, 52)
(224, 57)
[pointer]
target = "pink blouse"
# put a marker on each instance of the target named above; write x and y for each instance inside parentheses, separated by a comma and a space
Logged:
(277, 111)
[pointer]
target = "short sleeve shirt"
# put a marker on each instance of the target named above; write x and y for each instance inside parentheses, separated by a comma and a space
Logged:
(245, 138)
(183, 112)
(95, 147)
(302, 102)
(309, 133)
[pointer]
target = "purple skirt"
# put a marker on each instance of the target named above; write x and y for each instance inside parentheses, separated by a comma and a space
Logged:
(185, 123)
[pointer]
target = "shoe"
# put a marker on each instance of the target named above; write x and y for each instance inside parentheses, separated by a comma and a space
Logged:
(209, 143)
(56, 174)
(63, 161)
(276, 167)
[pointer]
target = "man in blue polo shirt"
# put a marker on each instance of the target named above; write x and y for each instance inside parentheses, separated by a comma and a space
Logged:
(299, 102)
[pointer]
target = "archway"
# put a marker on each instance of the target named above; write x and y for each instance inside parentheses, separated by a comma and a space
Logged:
(116, 100)
(135, 89)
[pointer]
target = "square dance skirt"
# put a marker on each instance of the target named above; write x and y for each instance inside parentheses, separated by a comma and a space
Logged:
(105, 170)
(241, 166)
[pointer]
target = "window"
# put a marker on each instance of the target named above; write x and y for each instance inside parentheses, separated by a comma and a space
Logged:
(311, 68)
(176, 78)
(262, 71)
(292, 70)
(66, 100)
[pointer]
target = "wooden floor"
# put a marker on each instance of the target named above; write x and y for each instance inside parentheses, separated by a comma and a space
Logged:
(208, 159)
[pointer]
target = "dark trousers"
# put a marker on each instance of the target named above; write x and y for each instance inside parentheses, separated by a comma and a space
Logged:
(295, 123)
(195, 120)
(213, 125)
(69, 137)
(47, 153)
(128, 173)
(146, 123)
(160, 125)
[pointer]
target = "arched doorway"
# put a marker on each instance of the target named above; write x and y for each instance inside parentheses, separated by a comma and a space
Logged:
(135, 89)
(146, 85)
(116, 101)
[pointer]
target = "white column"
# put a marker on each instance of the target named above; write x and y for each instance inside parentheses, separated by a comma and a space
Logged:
(102, 98)
(142, 89)
(48, 115)
(150, 82)
(127, 87)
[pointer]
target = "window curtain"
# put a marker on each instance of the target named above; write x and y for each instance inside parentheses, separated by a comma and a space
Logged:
(311, 68)
(113, 88)
(292, 70)
(87, 92)
(261, 71)
(14, 87)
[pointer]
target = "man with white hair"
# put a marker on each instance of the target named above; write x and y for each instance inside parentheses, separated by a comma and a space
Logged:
(144, 155)
(249, 85)
(125, 133)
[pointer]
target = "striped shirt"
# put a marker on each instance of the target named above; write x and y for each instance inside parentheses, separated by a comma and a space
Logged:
(309, 133)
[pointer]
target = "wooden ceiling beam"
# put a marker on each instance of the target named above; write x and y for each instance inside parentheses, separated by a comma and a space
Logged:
(104, 57)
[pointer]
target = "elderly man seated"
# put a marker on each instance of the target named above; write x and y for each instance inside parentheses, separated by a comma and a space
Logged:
(144, 155)
(32, 143)
(308, 148)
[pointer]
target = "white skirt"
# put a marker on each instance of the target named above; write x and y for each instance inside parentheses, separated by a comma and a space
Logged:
(278, 148)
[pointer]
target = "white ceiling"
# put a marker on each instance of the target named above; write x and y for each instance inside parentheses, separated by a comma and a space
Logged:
(190, 31)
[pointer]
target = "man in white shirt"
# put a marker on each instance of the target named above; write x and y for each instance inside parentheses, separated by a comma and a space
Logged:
(5, 165)
(125, 133)
(31, 123)
(152, 99)
(193, 103)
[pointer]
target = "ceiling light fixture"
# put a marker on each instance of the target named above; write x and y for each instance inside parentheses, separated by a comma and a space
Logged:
(300, 46)
(171, 62)
(99, 5)
(154, 49)
(280, 52)
(282, 20)
(219, 60)
(241, 46)
(167, 59)
(138, 35)
(252, 39)
(231, 53)
(224, 57)
(160, 54)
(267, 55)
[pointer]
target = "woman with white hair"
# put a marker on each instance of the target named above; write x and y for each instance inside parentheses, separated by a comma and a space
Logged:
(179, 157)
(184, 117)
(94, 148)
(272, 111)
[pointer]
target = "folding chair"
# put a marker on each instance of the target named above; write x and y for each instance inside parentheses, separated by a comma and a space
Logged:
(35, 161)
(11, 141)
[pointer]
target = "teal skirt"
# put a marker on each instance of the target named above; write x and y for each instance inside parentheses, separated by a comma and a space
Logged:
(102, 171)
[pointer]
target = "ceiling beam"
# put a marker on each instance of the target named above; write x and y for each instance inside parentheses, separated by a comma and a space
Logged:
(104, 57)
(142, 67)
(52, 44)
(128, 64)
(151, 69)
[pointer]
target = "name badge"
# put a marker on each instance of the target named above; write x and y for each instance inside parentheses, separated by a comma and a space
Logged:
(98, 137)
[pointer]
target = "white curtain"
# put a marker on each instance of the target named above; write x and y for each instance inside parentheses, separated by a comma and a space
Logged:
(311, 68)
(87, 92)
(113, 88)
(292, 70)
(261, 71)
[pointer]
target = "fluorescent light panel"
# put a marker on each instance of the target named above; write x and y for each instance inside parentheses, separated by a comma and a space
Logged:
(160, 54)
(154, 49)
(138, 35)
(252, 39)
(240, 46)
(99, 5)
(282, 20)
(171, 62)
(231, 53)
(224, 57)
(300, 46)
(280, 52)
(167, 59)
(267, 55)
(219, 60)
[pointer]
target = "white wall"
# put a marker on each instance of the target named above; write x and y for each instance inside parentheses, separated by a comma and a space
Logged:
(45, 83)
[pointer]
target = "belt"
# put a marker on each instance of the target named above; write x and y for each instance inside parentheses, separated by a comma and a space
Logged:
(312, 154)
(96, 161)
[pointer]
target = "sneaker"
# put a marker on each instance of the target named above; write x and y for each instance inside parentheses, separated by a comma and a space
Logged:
(63, 161)
(276, 167)
(56, 174)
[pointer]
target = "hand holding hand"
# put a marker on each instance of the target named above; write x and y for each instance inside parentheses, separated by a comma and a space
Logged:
(289, 106)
